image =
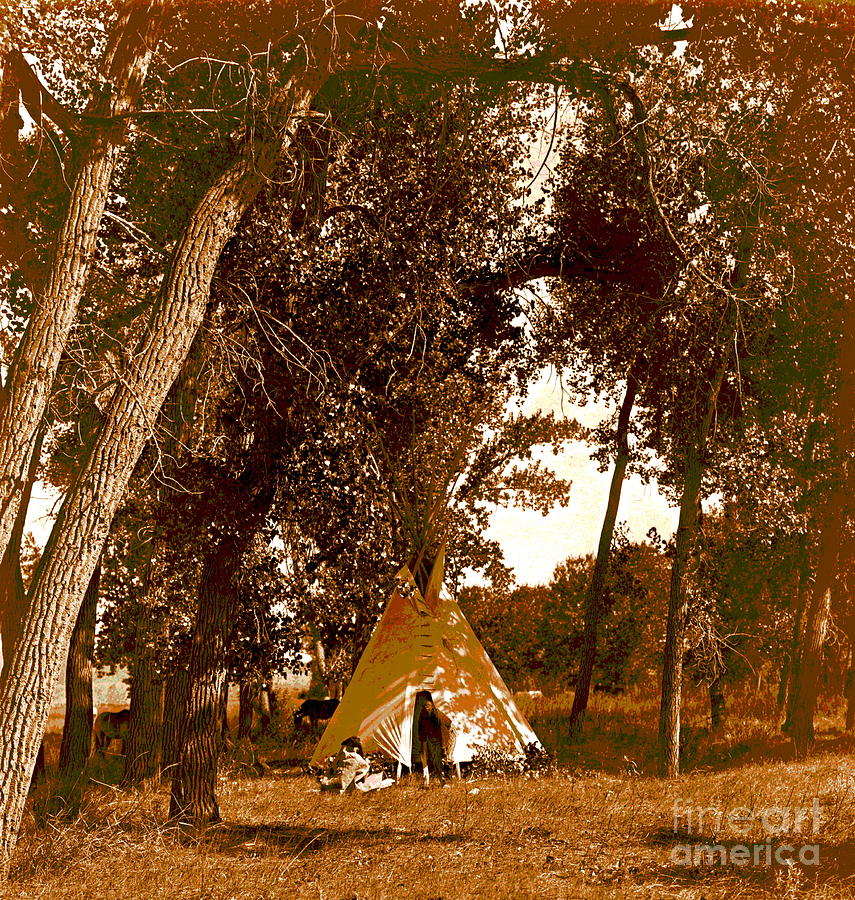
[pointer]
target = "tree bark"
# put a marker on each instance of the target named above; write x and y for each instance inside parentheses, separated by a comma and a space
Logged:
(12, 591)
(225, 733)
(595, 595)
(36, 359)
(84, 520)
(806, 683)
(143, 747)
(718, 705)
(77, 730)
(247, 700)
(146, 740)
(672, 664)
(193, 800)
(174, 707)
(796, 636)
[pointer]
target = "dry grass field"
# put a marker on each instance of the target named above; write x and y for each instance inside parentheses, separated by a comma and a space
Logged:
(600, 827)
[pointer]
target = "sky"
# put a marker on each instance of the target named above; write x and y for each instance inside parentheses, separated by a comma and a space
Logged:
(534, 544)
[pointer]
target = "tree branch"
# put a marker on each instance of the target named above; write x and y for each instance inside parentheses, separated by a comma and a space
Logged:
(38, 99)
(540, 263)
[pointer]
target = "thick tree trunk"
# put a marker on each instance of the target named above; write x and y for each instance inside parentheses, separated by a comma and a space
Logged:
(12, 591)
(145, 727)
(36, 358)
(77, 730)
(147, 740)
(174, 707)
(806, 683)
(193, 800)
(594, 597)
(84, 520)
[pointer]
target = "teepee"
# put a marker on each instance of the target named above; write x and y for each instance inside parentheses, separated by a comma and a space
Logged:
(424, 643)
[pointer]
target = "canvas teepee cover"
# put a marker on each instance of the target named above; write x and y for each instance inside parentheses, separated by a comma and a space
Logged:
(417, 645)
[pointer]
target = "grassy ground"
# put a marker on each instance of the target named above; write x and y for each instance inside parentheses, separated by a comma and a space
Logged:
(602, 826)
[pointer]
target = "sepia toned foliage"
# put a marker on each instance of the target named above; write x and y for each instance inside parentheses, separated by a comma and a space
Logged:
(339, 199)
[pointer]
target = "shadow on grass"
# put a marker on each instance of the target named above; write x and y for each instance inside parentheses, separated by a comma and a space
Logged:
(619, 736)
(59, 796)
(722, 755)
(289, 766)
(245, 840)
(621, 745)
(696, 857)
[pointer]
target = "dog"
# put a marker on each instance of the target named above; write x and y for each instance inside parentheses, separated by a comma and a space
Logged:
(314, 711)
(109, 727)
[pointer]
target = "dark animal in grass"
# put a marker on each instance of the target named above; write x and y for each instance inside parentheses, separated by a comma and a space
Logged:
(314, 711)
(614, 689)
(109, 727)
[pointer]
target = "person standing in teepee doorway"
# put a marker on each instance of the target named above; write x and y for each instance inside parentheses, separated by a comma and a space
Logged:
(433, 729)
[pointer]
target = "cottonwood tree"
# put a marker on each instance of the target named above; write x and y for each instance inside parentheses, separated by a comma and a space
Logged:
(136, 756)
(709, 203)
(826, 186)
(96, 136)
(732, 281)
(248, 499)
(776, 463)
(381, 417)
(607, 308)
(71, 553)
(193, 797)
(792, 234)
